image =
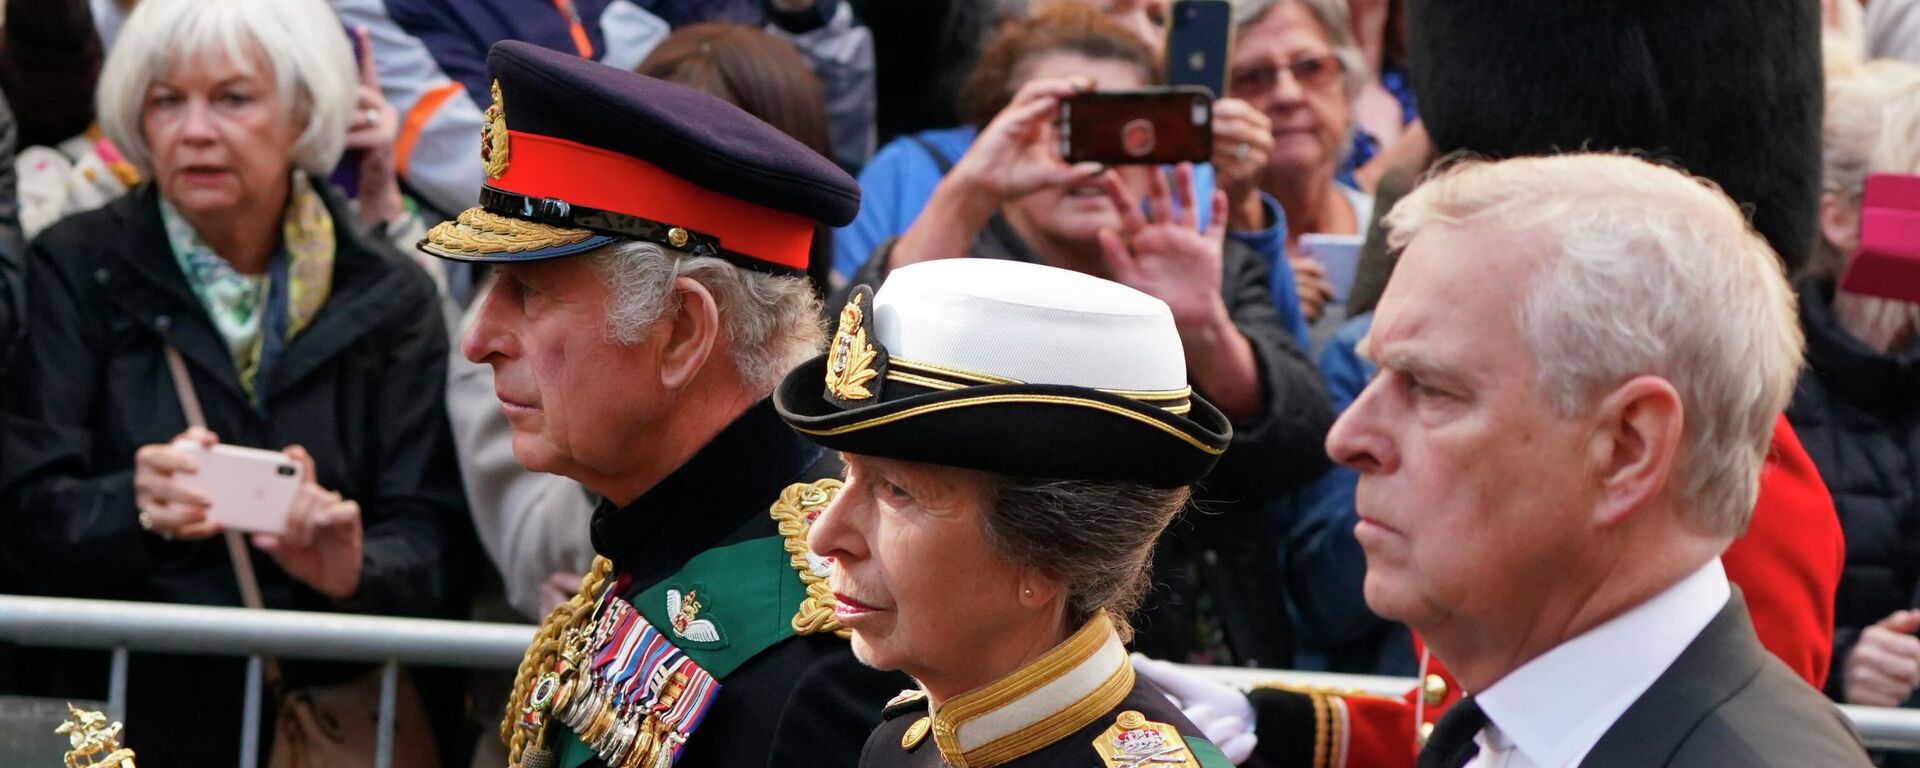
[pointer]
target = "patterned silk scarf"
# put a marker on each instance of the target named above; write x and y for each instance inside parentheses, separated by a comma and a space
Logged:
(238, 303)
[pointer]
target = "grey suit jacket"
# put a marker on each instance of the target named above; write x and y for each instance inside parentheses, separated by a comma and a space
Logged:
(1726, 702)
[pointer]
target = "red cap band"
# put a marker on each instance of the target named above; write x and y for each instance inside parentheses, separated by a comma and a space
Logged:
(542, 166)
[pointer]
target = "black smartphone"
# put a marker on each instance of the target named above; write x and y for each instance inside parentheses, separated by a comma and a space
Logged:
(1155, 125)
(1199, 40)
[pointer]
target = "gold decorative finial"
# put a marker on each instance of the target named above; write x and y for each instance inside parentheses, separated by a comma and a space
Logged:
(94, 741)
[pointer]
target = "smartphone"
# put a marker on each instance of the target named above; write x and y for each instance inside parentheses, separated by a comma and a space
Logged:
(1340, 254)
(252, 489)
(1156, 125)
(1199, 41)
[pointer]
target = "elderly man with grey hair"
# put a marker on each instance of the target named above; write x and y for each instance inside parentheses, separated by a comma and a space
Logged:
(648, 244)
(1561, 442)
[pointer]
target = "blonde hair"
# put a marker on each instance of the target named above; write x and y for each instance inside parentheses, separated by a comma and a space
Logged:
(1644, 270)
(301, 42)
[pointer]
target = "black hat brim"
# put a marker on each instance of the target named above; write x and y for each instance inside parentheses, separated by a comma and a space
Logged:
(1025, 430)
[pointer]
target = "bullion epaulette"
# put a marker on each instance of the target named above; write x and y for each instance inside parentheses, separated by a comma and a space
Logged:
(794, 512)
(1133, 740)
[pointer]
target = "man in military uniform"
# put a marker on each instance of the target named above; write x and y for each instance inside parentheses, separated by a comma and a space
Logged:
(649, 242)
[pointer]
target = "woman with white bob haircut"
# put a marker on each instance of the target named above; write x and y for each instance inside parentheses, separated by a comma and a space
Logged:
(1016, 437)
(237, 268)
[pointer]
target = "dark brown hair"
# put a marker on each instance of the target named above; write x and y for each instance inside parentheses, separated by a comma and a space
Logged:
(753, 70)
(1061, 28)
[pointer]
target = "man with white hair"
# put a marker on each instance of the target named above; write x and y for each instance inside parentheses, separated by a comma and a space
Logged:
(649, 244)
(1581, 360)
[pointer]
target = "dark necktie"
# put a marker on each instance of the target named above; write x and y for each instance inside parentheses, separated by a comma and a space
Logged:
(1451, 744)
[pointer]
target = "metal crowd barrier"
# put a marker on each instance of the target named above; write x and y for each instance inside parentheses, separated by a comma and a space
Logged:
(124, 626)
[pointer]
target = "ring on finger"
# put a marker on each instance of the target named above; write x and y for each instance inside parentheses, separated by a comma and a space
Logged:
(1241, 150)
(369, 116)
(146, 524)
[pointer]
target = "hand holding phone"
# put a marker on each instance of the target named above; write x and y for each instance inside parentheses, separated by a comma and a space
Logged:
(1153, 126)
(246, 489)
(322, 542)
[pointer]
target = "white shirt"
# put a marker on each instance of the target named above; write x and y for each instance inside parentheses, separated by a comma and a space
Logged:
(1551, 711)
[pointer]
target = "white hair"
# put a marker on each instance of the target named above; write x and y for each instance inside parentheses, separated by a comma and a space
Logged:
(301, 42)
(1334, 18)
(772, 321)
(1644, 270)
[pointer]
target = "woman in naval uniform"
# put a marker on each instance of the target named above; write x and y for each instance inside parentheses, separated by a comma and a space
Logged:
(1016, 436)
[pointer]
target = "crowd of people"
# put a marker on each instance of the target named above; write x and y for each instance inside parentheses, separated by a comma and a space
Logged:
(780, 332)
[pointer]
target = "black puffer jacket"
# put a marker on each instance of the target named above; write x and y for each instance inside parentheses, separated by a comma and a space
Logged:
(1858, 414)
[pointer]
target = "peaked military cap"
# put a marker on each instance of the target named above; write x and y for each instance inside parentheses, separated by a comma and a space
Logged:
(579, 155)
(1009, 367)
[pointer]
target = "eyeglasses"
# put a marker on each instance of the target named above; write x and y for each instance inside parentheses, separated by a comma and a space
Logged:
(1309, 72)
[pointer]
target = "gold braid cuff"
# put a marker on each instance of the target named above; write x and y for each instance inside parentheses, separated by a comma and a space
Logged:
(794, 513)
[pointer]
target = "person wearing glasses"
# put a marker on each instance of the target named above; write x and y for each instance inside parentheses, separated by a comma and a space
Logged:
(1296, 61)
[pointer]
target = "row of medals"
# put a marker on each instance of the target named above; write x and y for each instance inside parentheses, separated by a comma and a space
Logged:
(607, 718)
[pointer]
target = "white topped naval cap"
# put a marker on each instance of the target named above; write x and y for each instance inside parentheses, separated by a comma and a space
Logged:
(1009, 367)
(1029, 323)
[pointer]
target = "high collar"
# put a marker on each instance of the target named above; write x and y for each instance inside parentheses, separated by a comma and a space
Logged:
(729, 482)
(1063, 691)
(1847, 365)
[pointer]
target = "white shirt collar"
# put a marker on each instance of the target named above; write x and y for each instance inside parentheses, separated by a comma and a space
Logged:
(1610, 666)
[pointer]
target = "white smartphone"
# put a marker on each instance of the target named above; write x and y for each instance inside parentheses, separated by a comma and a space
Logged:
(252, 489)
(1340, 254)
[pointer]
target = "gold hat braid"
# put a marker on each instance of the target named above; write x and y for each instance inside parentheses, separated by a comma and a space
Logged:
(545, 650)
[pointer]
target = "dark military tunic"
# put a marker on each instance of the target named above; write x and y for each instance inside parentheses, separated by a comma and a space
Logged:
(805, 700)
(1078, 706)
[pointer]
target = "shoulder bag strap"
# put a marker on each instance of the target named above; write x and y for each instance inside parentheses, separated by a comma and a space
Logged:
(236, 546)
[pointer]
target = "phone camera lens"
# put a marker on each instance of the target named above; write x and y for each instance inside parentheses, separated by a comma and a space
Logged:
(286, 471)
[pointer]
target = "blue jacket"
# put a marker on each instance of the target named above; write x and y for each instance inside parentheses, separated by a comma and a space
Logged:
(1334, 630)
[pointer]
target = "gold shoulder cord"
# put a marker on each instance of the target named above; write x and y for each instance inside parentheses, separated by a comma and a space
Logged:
(545, 650)
(791, 513)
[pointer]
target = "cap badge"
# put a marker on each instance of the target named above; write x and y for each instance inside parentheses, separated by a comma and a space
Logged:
(1135, 742)
(683, 612)
(493, 136)
(852, 361)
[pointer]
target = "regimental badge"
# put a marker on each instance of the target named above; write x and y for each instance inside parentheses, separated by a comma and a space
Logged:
(683, 610)
(493, 136)
(854, 365)
(794, 514)
(1136, 742)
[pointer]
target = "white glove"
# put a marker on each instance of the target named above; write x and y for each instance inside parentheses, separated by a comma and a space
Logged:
(1223, 714)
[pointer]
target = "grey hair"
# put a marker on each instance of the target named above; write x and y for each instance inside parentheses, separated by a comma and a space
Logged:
(306, 55)
(1334, 17)
(772, 321)
(1097, 536)
(1644, 270)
